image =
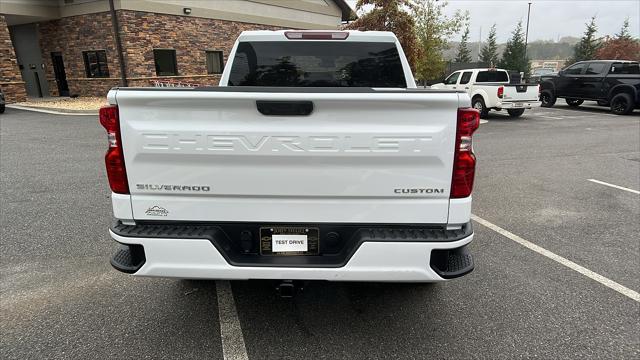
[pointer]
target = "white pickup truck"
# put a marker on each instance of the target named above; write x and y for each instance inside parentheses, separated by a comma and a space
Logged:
(491, 89)
(316, 159)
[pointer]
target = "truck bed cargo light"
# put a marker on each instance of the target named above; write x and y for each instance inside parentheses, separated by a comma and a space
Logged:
(316, 35)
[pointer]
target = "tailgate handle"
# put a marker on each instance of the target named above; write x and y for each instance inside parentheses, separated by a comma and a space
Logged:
(286, 108)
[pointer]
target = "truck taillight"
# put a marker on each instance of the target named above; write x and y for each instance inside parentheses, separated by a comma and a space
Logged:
(500, 91)
(464, 161)
(114, 159)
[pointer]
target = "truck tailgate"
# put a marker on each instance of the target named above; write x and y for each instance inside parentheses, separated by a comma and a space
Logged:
(358, 157)
(523, 92)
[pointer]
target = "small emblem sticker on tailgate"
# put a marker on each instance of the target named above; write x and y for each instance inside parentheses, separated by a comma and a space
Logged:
(157, 211)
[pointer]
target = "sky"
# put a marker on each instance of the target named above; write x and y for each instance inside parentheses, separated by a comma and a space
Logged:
(549, 20)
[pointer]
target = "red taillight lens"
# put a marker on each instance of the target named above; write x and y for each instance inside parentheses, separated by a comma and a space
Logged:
(500, 92)
(468, 121)
(464, 161)
(114, 159)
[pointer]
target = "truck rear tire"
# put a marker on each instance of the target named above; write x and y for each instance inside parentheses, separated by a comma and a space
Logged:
(622, 104)
(478, 104)
(547, 98)
(574, 102)
(514, 113)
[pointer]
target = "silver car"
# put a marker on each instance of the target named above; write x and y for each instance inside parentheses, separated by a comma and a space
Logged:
(539, 73)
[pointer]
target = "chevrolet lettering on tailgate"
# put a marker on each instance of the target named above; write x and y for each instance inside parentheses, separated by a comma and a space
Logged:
(277, 143)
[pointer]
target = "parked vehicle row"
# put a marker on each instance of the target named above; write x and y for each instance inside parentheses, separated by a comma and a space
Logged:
(493, 89)
(537, 74)
(613, 83)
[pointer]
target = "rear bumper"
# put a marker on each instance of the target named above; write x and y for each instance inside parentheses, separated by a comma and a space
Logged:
(392, 259)
(517, 105)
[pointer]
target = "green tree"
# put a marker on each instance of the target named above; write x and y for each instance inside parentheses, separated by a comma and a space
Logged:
(624, 33)
(389, 15)
(514, 55)
(434, 29)
(588, 46)
(464, 54)
(621, 47)
(489, 53)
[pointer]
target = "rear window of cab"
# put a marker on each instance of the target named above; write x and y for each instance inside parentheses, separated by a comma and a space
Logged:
(317, 64)
(625, 68)
(492, 76)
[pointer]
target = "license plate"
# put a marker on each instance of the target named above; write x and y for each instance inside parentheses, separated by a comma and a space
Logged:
(518, 105)
(289, 240)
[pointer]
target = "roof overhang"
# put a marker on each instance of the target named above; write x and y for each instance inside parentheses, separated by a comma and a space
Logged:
(347, 11)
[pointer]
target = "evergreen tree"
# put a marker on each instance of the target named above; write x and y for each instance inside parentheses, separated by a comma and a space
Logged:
(621, 47)
(464, 54)
(624, 33)
(489, 53)
(514, 56)
(588, 46)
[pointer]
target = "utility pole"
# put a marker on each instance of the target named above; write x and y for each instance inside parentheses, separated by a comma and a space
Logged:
(526, 43)
(480, 44)
(116, 35)
(526, 34)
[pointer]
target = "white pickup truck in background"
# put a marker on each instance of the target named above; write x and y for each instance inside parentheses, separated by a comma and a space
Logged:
(492, 89)
(316, 159)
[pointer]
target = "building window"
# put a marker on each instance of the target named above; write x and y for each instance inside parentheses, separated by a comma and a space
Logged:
(95, 63)
(215, 62)
(166, 64)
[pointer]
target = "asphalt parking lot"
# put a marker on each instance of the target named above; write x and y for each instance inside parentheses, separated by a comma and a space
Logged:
(61, 299)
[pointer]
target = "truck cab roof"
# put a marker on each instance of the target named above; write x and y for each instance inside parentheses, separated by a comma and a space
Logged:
(605, 61)
(350, 35)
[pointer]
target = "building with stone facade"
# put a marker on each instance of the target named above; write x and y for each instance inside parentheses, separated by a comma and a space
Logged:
(554, 64)
(85, 47)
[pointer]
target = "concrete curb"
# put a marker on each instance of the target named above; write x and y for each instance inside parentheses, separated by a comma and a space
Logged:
(54, 111)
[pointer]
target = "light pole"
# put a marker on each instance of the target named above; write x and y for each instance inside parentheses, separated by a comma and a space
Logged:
(526, 34)
(480, 44)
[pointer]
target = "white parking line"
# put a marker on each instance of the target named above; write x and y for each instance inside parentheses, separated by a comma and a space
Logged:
(614, 186)
(550, 117)
(233, 346)
(633, 295)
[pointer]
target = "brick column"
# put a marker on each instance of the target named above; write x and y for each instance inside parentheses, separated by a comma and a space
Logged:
(10, 78)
